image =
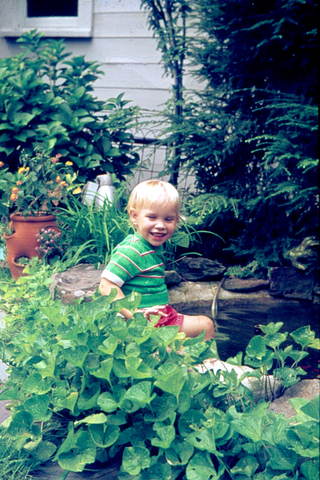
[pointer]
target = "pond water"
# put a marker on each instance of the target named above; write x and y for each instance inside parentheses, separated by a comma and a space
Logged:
(235, 326)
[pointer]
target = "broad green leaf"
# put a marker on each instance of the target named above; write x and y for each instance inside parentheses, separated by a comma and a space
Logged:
(38, 407)
(201, 467)
(68, 402)
(135, 459)
(10, 394)
(170, 379)
(41, 451)
(246, 466)
(34, 384)
(310, 469)
(80, 455)
(249, 426)
(166, 434)
(274, 340)
(94, 419)
(104, 435)
(303, 336)
(21, 424)
(88, 399)
(109, 345)
(162, 407)
(107, 403)
(120, 370)
(196, 350)
(179, 452)
(76, 355)
(271, 328)
(136, 368)
(104, 370)
(159, 471)
(139, 393)
(282, 458)
(312, 408)
(190, 421)
(203, 439)
(166, 335)
(256, 347)
(274, 433)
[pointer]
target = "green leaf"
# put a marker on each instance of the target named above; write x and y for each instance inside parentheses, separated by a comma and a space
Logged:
(95, 419)
(166, 335)
(179, 452)
(310, 469)
(256, 347)
(159, 471)
(166, 434)
(190, 421)
(303, 336)
(104, 370)
(76, 355)
(35, 384)
(203, 439)
(135, 459)
(38, 407)
(246, 466)
(42, 451)
(83, 452)
(201, 467)
(282, 458)
(20, 424)
(136, 368)
(171, 379)
(139, 393)
(249, 426)
(104, 435)
(312, 408)
(271, 328)
(106, 402)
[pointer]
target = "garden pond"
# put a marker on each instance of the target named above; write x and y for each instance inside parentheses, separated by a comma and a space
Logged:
(237, 324)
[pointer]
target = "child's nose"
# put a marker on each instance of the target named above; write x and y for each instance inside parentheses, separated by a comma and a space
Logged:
(160, 223)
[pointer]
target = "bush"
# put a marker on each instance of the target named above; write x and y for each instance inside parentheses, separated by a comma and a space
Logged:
(87, 386)
(46, 99)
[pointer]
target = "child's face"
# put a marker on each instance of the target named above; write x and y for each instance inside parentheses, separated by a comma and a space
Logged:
(155, 224)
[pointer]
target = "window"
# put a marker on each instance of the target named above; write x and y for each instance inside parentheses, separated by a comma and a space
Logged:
(55, 18)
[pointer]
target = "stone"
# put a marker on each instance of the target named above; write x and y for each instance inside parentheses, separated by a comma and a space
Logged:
(77, 282)
(291, 283)
(200, 269)
(304, 389)
(234, 284)
(172, 278)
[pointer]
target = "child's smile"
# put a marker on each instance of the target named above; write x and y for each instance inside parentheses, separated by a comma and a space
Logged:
(156, 224)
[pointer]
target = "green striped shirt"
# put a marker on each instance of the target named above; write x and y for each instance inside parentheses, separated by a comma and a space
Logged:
(136, 265)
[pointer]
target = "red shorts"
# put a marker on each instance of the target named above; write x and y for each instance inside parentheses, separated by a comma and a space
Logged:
(173, 317)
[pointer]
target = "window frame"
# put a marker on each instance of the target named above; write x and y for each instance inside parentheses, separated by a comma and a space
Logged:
(16, 22)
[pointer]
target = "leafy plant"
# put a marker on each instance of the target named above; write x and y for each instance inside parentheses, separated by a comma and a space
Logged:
(87, 386)
(40, 183)
(46, 99)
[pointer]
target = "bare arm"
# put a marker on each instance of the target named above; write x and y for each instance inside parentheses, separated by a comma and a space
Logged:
(105, 289)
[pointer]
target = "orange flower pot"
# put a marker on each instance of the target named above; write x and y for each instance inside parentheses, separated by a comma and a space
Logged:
(24, 240)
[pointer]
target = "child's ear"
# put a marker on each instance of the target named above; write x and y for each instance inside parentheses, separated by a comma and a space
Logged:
(133, 216)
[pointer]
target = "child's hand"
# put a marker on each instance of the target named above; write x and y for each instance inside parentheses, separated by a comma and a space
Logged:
(156, 310)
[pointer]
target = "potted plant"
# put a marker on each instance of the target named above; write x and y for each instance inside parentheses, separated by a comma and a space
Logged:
(30, 195)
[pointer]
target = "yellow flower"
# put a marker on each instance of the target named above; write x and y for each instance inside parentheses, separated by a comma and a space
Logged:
(69, 163)
(77, 190)
(13, 197)
(14, 190)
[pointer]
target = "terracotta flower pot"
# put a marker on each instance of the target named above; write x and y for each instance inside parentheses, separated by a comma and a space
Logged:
(24, 240)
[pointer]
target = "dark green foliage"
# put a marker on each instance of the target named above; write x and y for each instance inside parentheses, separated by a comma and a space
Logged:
(251, 137)
(46, 99)
(85, 385)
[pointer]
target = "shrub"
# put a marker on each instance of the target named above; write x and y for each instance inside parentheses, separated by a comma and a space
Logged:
(46, 99)
(85, 385)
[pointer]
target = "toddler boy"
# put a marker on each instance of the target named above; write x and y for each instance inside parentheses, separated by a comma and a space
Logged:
(137, 263)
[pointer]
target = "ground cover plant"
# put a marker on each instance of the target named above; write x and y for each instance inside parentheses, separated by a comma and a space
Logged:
(85, 387)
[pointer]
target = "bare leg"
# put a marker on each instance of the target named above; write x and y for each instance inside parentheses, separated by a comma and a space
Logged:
(192, 326)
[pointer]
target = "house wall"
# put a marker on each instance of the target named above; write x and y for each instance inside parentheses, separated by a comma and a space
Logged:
(124, 46)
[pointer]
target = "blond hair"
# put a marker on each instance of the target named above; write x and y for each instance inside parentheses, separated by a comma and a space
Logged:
(151, 192)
